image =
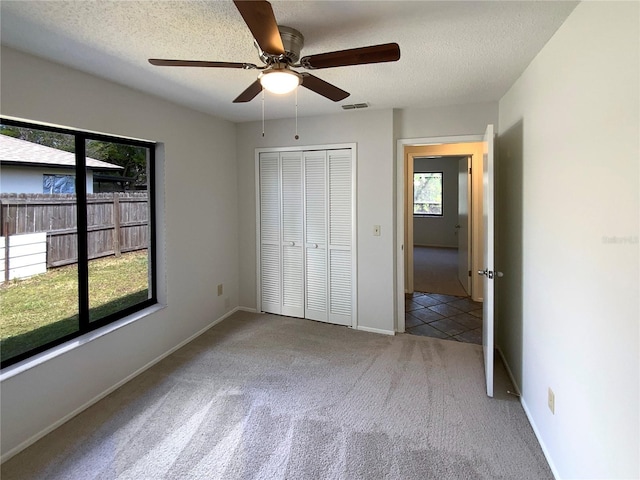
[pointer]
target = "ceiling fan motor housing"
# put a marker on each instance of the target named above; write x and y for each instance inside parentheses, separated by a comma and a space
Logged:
(292, 40)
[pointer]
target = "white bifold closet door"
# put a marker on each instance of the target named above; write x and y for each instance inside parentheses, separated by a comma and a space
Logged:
(306, 211)
(292, 238)
(281, 227)
(270, 229)
(340, 236)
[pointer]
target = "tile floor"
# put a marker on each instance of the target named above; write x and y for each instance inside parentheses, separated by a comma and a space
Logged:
(443, 316)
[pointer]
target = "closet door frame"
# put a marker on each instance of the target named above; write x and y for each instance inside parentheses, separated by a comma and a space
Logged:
(354, 223)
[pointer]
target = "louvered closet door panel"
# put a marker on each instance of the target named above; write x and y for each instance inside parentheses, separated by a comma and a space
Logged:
(340, 287)
(315, 197)
(315, 187)
(292, 197)
(340, 198)
(292, 239)
(316, 285)
(340, 236)
(270, 278)
(270, 226)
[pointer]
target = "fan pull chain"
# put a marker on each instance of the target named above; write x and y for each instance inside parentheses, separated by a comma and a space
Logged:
(296, 137)
(263, 112)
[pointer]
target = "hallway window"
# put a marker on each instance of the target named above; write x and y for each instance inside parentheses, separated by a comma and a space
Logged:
(427, 193)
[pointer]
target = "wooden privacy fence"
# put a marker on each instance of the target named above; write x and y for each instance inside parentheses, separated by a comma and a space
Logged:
(117, 222)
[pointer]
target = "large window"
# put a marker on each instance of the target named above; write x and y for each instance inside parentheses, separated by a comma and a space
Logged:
(427, 193)
(73, 260)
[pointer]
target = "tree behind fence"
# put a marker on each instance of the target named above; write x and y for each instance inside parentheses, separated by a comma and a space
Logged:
(117, 222)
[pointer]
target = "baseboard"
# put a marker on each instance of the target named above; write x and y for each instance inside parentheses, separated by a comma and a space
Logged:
(543, 446)
(528, 414)
(34, 438)
(376, 330)
(244, 309)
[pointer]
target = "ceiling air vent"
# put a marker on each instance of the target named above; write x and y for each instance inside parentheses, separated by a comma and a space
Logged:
(353, 106)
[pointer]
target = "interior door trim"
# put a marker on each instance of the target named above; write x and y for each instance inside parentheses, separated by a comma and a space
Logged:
(401, 174)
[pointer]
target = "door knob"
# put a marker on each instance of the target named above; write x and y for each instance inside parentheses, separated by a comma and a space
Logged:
(490, 273)
(486, 273)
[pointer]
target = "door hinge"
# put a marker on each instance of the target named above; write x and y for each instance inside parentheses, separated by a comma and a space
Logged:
(469, 272)
(469, 170)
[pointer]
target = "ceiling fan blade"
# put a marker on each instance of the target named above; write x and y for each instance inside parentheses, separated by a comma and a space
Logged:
(388, 52)
(199, 63)
(250, 93)
(323, 88)
(259, 17)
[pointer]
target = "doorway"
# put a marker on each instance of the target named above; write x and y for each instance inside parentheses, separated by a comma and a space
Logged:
(438, 302)
(441, 233)
(482, 226)
(458, 147)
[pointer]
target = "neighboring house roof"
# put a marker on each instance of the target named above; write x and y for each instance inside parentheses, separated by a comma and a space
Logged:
(16, 151)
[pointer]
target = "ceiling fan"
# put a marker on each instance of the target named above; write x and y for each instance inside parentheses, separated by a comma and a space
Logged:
(279, 49)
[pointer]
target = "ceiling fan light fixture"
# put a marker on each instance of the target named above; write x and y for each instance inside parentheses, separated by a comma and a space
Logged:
(280, 80)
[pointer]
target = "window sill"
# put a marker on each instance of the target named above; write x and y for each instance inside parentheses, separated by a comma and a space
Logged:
(425, 215)
(39, 359)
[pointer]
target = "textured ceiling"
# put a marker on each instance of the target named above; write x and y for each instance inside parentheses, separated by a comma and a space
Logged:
(451, 52)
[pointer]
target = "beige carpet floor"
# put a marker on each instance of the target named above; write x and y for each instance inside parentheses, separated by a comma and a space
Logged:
(435, 270)
(268, 397)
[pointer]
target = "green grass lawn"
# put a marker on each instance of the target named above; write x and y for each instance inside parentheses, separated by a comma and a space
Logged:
(43, 308)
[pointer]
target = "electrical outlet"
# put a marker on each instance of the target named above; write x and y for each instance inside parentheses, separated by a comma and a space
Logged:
(551, 401)
(219, 289)
(376, 230)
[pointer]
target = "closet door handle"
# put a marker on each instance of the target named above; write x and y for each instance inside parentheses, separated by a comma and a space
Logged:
(293, 244)
(315, 245)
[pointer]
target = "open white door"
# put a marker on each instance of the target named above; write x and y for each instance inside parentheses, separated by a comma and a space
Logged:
(462, 228)
(488, 272)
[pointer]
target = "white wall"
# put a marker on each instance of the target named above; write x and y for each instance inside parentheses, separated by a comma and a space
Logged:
(19, 179)
(198, 234)
(570, 127)
(375, 133)
(372, 131)
(439, 231)
(452, 120)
